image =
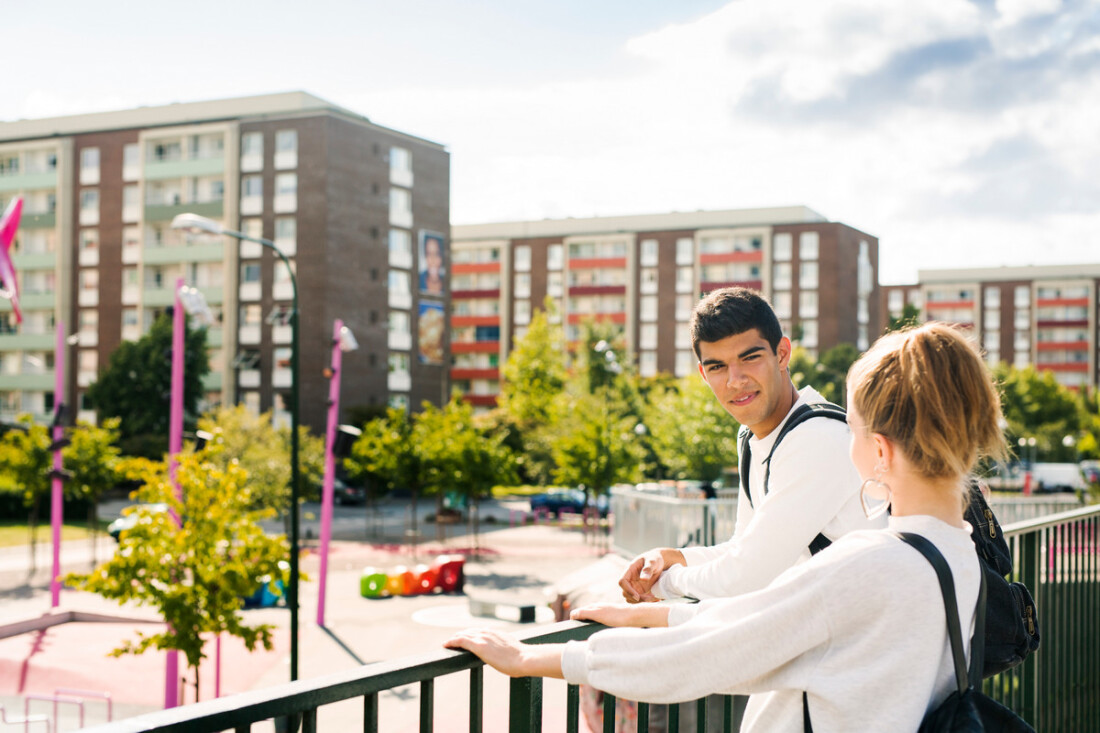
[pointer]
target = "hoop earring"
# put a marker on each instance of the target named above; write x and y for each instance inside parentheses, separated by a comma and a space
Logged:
(878, 488)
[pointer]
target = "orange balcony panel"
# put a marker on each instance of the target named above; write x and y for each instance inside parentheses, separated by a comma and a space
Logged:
(718, 259)
(933, 304)
(601, 317)
(1070, 367)
(589, 263)
(1063, 345)
(467, 268)
(472, 294)
(487, 373)
(597, 290)
(481, 400)
(461, 321)
(710, 287)
(475, 347)
(1061, 301)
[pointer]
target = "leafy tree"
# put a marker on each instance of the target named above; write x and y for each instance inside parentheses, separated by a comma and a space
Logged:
(910, 316)
(136, 386)
(597, 446)
(26, 460)
(693, 435)
(195, 572)
(92, 460)
(1036, 405)
(387, 450)
(828, 375)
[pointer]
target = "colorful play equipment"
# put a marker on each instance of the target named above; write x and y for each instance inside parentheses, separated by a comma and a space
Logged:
(444, 575)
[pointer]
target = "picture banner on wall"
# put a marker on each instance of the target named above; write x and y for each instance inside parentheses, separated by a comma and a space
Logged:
(432, 263)
(430, 327)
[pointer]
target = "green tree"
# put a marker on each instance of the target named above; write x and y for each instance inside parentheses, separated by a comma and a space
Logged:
(387, 451)
(1036, 405)
(597, 446)
(910, 316)
(195, 572)
(26, 460)
(828, 375)
(92, 460)
(136, 386)
(691, 433)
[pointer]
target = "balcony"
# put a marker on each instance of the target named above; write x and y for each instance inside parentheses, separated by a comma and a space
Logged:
(167, 212)
(468, 294)
(597, 290)
(475, 347)
(596, 263)
(1056, 689)
(491, 373)
(470, 268)
(726, 257)
(480, 400)
(473, 321)
(156, 170)
(707, 287)
(575, 318)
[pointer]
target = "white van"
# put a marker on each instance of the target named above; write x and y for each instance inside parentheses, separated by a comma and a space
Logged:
(1057, 477)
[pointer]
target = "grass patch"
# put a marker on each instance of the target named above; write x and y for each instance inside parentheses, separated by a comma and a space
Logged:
(18, 533)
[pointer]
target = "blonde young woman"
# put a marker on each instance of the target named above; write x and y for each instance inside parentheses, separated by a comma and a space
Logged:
(860, 627)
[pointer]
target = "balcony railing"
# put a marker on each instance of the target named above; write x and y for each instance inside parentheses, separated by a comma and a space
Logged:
(1056, 689)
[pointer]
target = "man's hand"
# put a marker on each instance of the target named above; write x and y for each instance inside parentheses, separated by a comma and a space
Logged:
(509, 656)
(644, 571)
(620, 614)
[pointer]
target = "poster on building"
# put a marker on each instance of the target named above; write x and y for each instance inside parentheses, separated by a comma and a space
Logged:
(431, 262)
(429, 328)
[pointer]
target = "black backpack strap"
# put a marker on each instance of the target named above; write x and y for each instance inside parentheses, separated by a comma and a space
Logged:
(799, 416)
(743, 458)
(963, 676)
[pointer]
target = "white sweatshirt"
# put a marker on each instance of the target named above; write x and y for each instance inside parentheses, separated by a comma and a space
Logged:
(860, 627)
(813, 488)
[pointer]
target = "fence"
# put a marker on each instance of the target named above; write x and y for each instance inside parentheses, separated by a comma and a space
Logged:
(1056, 689)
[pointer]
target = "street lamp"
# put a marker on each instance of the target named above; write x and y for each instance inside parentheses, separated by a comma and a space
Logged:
(199, 224)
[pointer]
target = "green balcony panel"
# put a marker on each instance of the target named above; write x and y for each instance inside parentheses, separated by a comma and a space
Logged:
(157, 297)
(28, 382)
(212, 252)
(214, 337)
(162, 170)
(167, 212)
(212, 382)
(38, 221)
(28, 342)
(28, 182)
(37, 301)
(37, 261)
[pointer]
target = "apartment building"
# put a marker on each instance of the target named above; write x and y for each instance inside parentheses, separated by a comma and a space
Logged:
(353, 206)
(645, 273)
(1042, 316)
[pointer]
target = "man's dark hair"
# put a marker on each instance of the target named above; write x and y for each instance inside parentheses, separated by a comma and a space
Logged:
(730, 311)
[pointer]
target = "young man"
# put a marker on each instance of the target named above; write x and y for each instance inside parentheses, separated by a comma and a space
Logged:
(812, 489)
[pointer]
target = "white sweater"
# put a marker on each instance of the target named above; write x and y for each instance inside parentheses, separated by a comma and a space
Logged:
(813, 488)
(860, 627)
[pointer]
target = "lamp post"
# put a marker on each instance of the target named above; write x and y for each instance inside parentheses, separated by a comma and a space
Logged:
(342, 340)
(196, 223)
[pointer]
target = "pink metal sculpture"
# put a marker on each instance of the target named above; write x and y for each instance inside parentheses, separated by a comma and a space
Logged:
(10, 285)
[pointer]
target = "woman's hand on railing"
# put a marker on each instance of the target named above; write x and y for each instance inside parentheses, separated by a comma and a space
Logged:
(509, 656)
(622, 614)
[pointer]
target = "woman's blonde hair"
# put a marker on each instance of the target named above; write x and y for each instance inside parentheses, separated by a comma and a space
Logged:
(929, 391)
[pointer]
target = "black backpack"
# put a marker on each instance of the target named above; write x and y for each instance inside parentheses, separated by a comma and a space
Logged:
(967, 709)
(1012, 623)
(799, 416)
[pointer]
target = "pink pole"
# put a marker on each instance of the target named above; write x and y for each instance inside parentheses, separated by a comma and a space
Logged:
(175, 445)
(218, 666)
(330, 467)
(57, 498)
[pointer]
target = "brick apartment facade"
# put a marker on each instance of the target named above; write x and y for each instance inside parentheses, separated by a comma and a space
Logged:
(346, 200)
(644, 273)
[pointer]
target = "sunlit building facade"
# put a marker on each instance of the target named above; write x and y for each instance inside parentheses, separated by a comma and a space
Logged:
(645, 273)
(346, 200)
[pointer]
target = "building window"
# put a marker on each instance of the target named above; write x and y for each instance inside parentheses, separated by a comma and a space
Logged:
(808, 245)
(647, 336)
(781, 276)
(401, 173)
(252, 152)
(400, 207)
(1023, 296)
(554, 284)
(685, 251)
(286, 193)
(807, 304)
(522, 313)
(809, 334)
(685, 280)
(286, 235)
(523, 285)
(807, 275)
(89, 247)
(252, 195)
(131, 203)
(89, 207)
(648, 310)
(1022, 321)
(649, 252)
(286, 149)
(400, 246)
(647, 364)
(684, 305)
(781, 303)
(781, 247)
(89, 167)
(649, 280)
(555, 254)
(522, 258)
(685, 363)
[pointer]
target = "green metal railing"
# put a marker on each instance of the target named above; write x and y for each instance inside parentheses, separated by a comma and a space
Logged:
(1056, 689)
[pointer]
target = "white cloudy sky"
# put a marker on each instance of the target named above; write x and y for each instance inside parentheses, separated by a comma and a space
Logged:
(960, 132)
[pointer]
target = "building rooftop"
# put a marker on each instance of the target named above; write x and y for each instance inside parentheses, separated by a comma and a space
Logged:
(1026, 272)
(638, 222)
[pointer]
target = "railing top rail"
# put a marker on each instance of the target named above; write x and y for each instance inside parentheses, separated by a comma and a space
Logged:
(294, 697)
(1050, 520)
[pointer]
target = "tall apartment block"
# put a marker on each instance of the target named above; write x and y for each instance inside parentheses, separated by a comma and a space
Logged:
(352, 204)
(1043, 316)
(645, 273)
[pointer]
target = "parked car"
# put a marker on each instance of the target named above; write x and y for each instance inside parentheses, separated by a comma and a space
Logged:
(345, 494)
(1057, 477)
(557, 501)
(130, 519)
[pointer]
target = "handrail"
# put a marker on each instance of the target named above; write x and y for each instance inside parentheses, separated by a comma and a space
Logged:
(1050, 520)
(294, 698)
